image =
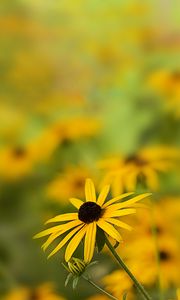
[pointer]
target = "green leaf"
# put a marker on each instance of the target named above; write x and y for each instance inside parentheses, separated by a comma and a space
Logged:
(75, 282)
(100, 239)
(67, 279)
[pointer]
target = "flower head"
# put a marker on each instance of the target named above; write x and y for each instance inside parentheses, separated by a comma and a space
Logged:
(124, 173)
(92, 214)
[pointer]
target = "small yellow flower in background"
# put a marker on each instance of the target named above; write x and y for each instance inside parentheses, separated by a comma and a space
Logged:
(74, 128)
(141, 257)
(15, 162)
(12, 120)
(152, 252)
(61, 133)
(68, 183)
(165, 81)
(169, 260)
(124, 173)
(42, 292)
(92, 214)
(118, 283)
(59, 100)
(167, 84)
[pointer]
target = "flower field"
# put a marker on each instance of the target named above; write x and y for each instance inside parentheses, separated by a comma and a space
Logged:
(89, 150)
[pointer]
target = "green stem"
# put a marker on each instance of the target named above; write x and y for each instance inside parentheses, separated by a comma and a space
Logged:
(123, 265)
(99, 288)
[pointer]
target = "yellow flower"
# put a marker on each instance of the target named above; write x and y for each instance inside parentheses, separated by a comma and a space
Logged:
(67, 184)
(125, 172)
(15, 162)
(42, 292)
(144, 247)
(167, 83)
(118, 283)
(62, 132)
(74, 128)
(12, 120)
(92, 213)
(169, 261)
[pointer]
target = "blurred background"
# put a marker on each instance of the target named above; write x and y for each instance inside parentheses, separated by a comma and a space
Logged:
(88, 88)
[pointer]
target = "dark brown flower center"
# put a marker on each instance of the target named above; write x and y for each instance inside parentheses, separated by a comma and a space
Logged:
(79, 183)
(89, 212)
(19, 152)
(136, 160)
(33, 295)
(176, 76)
(164, 256)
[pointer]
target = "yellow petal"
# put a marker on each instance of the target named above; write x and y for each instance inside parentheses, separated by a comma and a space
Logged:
(151, 178)
(103, 194)
(65, 240)
(117, 184)
(89, 243)
(119, 213)
(76, 202)
(50, 239)
(131, 179)
(63, 217)
(116, 199)
(119, 223)
(109, 229)
(128, 203)
(90, 192)
(65, 227)
(60, 228)
(74, 243)
(162, 165)
(48, 231)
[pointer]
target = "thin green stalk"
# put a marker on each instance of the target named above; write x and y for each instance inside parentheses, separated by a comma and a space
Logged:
(99, 288)
(123, 265)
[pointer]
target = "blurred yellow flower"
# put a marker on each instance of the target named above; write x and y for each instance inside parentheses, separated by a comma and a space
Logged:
(118, 283)
(92, 213)
(15, 162)
(12, 120)
(153, 251)
(74, 128)
(68, 183)
(63, 132)
(167, 83)
(124, 173)
(42, 292)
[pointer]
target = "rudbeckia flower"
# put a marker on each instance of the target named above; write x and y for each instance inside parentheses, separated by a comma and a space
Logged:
(92, 214)
(124, 173)
(68, 183)
(112, 285)
(15, 162)
(152, 252)
(167, 84)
